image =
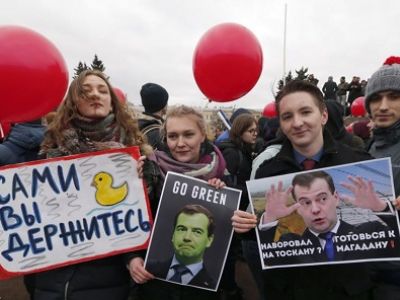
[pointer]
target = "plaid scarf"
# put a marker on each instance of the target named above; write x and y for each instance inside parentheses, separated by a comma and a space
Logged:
(85, 135)
(211, 165)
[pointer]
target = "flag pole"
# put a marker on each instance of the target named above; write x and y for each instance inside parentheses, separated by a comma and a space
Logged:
(284, 44)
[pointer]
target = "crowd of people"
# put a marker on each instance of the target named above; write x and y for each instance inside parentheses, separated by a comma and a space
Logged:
(310, 126)
(345, 92)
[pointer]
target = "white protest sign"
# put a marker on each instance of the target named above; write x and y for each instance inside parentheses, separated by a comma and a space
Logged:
(71, 209)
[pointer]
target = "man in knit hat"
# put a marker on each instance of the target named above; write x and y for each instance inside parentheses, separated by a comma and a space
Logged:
(154, 100)
(382, 101)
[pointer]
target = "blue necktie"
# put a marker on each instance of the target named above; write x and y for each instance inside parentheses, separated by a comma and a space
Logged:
(329, 246)
(180, 270)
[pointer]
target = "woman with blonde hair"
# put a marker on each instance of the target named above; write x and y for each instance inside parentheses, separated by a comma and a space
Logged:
(187, 152)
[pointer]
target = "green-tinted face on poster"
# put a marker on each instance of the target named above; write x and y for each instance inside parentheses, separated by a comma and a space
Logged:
(190, 238)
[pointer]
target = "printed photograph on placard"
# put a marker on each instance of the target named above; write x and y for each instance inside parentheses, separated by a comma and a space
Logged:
(192, 232)
(335, 215)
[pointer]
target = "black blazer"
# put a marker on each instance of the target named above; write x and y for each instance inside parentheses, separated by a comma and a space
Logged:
(160, 269)
(319, 254)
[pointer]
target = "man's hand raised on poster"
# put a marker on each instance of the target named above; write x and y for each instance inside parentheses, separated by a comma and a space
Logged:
(364, 195)
(276, 203)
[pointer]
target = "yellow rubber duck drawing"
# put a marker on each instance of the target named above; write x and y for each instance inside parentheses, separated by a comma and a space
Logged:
(106, 194)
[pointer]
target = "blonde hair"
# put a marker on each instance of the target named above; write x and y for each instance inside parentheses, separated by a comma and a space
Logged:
(68, 111)
(184, 111)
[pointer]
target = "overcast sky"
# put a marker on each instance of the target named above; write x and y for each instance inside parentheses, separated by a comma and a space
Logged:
(154, 40)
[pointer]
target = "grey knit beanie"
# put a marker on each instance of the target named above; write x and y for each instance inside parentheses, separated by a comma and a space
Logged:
(386, 78)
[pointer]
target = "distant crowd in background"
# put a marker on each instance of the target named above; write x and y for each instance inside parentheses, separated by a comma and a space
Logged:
(339, 99)
(344, 92)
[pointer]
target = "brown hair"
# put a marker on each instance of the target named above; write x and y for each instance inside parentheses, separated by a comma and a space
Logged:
(239, 126)
(306, 179)
(67, 111)
(49, 117)
(301, 86)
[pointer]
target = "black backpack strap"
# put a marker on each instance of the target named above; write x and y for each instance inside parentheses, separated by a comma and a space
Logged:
(234, 178)
(151, 127)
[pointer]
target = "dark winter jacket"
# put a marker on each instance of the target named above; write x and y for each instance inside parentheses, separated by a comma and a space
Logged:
(343, 87)
(22, 144)
(335, 153)
(355, 91)
(336, 127)
(150, 125)
(238, 162)
(339, 281)
(386, 143)
(330, 89)
(102, 279)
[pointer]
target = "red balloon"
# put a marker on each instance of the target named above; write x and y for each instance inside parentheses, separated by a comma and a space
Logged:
(270, 110)
(227, 62)
(358, 107)
(33, 75)
(120, 94)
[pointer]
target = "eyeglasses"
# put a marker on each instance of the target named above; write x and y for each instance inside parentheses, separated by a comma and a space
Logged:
(252, 131)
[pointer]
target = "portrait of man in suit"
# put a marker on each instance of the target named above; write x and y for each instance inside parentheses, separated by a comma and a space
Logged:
(316, 200)
(193, 234)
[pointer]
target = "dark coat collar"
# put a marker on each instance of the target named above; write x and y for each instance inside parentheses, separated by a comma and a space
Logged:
(286, 153)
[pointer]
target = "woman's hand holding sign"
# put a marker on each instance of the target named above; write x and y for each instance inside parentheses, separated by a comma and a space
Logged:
(217, 183)
(138, 272)
(140, 165)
